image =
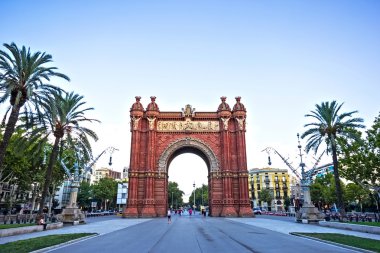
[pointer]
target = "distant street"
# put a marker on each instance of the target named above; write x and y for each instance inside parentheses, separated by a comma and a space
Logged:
(197, 234)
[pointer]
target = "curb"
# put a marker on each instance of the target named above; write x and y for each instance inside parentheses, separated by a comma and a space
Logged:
(47, 249)
(350, 226)
(28, 229)
(333, 243)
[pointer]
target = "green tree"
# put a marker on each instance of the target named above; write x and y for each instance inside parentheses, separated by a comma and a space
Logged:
(22, 77)
(322, 191)
(201, 196)
(63, 118)
(22, 166)
(85, 195)
(356, 193)
(266, 196)
(287, 203)
(360, 159)
(106, 190)
(174, 195)
(327, 127)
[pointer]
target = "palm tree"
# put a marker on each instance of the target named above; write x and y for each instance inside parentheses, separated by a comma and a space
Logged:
(62, 118)
(22, 77)
(330, 125)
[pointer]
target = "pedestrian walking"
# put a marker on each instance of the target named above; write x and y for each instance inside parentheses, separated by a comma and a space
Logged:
(169, 216)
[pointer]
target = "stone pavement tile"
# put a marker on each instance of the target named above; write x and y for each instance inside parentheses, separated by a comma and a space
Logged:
(287, 227)
(102, 227)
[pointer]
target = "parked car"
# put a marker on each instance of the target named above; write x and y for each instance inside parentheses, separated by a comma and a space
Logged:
(256, 210)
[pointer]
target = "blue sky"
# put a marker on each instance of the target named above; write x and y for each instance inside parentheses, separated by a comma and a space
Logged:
(281, 57)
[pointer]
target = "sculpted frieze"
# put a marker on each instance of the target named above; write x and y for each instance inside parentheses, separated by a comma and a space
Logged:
(188, 125)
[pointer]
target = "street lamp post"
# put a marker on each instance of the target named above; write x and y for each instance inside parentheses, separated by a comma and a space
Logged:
(252, 191)
(194, 194)
(304, 185)
(308, 211)
(202, 194)
(172, 199)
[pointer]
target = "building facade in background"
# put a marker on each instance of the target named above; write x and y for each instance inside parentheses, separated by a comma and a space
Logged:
(104, 173)
(276, 180)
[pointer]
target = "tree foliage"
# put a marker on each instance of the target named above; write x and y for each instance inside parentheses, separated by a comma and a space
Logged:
(322, 191)
(23, 77)
(266, 196)
(329, 125)
(85, 195)
(356, 194)
(360, 159)
(106, 189)
(201, 196)
(63, 118)
(174, 195)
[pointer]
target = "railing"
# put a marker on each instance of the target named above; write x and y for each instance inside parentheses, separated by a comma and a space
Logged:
(353, 217)
(23, 218)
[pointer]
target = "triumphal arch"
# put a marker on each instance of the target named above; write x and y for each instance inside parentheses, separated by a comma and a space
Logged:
(218, 137)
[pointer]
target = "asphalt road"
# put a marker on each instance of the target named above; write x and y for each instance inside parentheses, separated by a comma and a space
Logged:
(198, 234)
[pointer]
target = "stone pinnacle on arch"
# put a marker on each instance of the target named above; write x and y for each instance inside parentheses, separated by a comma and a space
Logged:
(137, 108)
(239, 112)
(224, 109)
(152, 105)
(137, 105)
(224, 106)
(238, 106)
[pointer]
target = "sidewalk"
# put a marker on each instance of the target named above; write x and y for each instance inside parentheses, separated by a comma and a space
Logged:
(101, 227)
(287, 227)
(108, 226)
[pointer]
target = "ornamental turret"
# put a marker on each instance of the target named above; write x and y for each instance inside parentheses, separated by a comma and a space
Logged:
(137, 110)
(152, 109)
(224, 109)
(239, 109)
(239, 113)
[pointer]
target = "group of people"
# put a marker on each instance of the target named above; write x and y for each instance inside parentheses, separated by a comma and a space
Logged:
(179, 211)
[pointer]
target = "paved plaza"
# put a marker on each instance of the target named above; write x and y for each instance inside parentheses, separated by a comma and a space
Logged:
(194, 234)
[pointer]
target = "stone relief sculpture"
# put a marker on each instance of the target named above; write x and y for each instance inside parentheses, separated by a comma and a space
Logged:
(188, 125)
(225, 122)
(135, 121)
(240, 123)
(151, 122)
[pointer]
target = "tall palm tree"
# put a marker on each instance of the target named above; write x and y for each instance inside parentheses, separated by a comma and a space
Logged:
(63, 118)
(328, 126)
(22, 80)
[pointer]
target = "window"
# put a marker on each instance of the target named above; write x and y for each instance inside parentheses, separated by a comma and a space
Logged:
(258, 187)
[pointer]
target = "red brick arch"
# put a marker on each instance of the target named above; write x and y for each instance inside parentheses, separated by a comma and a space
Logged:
(217, 137)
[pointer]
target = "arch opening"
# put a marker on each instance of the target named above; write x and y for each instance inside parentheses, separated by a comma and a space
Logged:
(187, 168)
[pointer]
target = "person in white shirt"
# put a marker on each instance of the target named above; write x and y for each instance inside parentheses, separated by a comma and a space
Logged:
(169, 216)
